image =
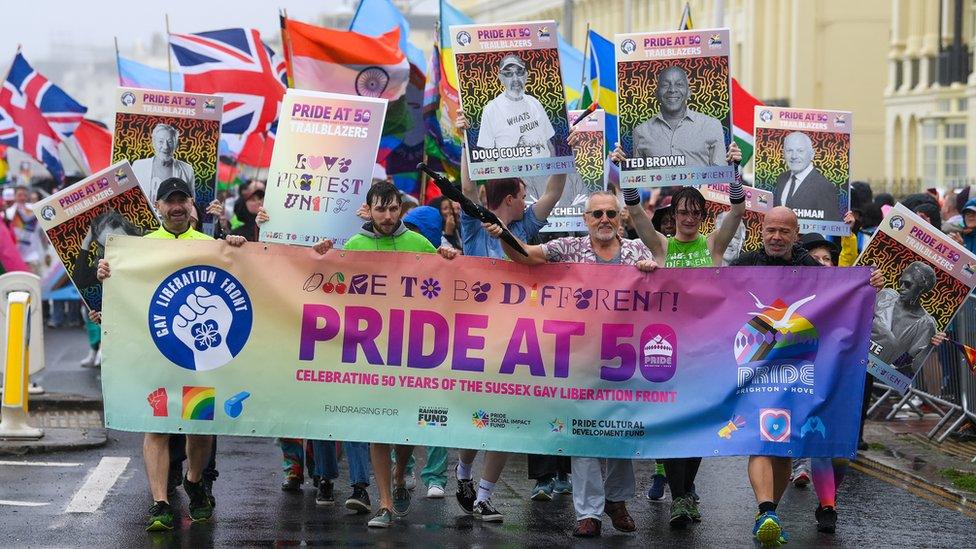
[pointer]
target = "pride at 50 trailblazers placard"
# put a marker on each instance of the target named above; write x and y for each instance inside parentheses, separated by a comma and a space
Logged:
(927, 279)
(78, 221)
(167, 134)
(674, 102)
(589, 176)
(321, 167)
(511, 91)
(803, 157)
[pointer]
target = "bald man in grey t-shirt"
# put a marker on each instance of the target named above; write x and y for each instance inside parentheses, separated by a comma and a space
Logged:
(678, 130)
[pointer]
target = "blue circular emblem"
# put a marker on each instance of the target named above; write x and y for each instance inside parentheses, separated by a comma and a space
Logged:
(200, 317)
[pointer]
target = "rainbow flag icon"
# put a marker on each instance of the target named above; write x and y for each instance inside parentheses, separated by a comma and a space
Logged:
(198, 402)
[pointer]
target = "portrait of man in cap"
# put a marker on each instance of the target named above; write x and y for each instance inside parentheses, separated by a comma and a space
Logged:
(515, 118)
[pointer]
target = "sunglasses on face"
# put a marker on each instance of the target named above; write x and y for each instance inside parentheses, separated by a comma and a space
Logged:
(598, 214)
(508, 73)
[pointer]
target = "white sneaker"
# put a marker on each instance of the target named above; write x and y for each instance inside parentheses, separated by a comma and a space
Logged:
(411, 481)
(98, 359)
(435, 492)
(89, 360)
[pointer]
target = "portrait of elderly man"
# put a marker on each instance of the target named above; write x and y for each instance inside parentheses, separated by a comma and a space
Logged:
(515, 118)
(677, 130)
(152, 171)
(802, 187)
(901, 326)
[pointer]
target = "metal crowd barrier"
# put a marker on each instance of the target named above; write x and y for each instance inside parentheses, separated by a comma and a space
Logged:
(945, 386)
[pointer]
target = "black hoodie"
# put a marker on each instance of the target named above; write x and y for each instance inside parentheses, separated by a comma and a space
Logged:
(799, 257)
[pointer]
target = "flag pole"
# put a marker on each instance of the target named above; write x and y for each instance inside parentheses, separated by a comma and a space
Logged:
(118, 60)
(586, 50)
(286, 46)
(169, 55)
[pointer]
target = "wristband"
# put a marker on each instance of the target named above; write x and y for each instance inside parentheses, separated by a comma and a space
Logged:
(631, 197)
(736, 194)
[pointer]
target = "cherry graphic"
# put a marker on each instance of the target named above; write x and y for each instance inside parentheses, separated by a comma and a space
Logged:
(328, 287)
(340, 288)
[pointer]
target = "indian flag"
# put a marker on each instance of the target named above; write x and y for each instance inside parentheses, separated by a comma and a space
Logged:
(347, 62)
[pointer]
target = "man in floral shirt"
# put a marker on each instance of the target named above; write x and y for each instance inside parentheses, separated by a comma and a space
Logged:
(592, 495)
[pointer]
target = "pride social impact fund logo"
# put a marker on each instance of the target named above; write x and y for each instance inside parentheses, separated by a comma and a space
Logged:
(200, 317)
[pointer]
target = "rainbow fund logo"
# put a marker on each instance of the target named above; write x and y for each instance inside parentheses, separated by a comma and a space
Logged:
(776, 348)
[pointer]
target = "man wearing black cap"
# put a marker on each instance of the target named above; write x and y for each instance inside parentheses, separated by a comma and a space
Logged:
(174, 203)
(514, 118)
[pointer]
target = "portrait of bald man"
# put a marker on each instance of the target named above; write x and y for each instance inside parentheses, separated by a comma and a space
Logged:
(802, 187)
(677, 130)
(514, 118)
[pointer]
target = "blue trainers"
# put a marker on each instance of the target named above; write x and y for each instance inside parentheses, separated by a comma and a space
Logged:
(562, 486)
(401, 500)
(542, 490)
(768, 531)
(658, 482)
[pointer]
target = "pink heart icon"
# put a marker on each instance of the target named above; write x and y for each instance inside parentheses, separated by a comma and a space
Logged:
(315, 162)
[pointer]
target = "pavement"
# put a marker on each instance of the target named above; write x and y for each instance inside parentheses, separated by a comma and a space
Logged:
(895, 495)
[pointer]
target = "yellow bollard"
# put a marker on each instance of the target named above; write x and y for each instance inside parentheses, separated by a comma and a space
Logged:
(13, 411)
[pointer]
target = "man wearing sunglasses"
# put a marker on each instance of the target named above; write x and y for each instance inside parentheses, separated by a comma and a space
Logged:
(514, 119)
(592, 494)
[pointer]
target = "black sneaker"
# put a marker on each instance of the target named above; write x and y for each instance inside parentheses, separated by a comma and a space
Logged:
(466, 495)
(160, 517)
(486, 512)
(826, 519)
(200, 508)
(208, 488)
(359, 500)
(325, 495)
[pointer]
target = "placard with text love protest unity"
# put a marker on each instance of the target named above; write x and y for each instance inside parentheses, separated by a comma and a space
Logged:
(511, 92)
(79, 219)
(927, 279)
(570, 359)
(803, 156)
(167, 134)
(589, 175)
(321, 167)
(674, 102)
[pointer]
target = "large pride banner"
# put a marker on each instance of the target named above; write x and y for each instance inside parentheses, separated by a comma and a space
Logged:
(597, 360)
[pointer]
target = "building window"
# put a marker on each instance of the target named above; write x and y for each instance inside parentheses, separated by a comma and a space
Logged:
(962, 105)
(915, 71)
(899, 74)
(944, 150)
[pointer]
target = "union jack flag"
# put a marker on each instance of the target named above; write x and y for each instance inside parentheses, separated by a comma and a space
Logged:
(237, 65)
(35, 115)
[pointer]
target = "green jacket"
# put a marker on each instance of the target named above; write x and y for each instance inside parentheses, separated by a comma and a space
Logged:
(402, 240)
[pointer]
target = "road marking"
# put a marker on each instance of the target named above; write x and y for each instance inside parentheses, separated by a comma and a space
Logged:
(91, 494)
(42, 463)
(22, 503)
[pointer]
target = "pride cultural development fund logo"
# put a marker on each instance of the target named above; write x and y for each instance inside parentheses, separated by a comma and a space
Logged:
(200, 317)
(776, 349)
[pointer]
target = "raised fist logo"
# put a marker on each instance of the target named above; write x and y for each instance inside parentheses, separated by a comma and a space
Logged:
(202, 325)
(159, 402)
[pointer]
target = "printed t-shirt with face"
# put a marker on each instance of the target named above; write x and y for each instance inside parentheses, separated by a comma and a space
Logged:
(689, 254)
(505, 122)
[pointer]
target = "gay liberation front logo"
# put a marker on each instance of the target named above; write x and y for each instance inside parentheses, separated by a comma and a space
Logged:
(776, 349)
(200, 317)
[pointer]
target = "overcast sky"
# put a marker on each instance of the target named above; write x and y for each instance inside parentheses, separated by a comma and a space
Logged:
(35, 24)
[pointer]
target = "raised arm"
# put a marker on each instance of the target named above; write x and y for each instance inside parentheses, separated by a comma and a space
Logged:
(468, 187)
(536, 254)
(655, 241)
(721, 237)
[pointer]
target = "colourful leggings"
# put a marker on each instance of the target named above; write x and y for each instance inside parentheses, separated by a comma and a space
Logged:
(827, 475)
(296, 457)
